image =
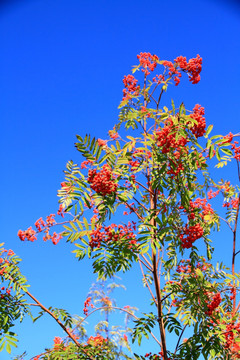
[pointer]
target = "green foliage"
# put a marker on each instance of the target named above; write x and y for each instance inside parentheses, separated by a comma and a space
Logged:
(154, 178)
(143, 326)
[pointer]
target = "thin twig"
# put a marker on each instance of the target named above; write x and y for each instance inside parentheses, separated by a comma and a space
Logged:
(116, 308)
(146, 282)
(52, 315)
(144, 187)
(226, 222)
(149, 268)
(180, 338)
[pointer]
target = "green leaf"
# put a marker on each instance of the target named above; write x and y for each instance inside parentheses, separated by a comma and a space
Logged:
(2, 345)
(209, 129)
(227, 151)
(8, 348)
(85, 223)
(211, 148)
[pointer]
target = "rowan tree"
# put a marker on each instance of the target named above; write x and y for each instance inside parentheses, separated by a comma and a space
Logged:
(144, 195)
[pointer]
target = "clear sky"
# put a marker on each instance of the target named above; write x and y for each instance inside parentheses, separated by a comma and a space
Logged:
(62, 64)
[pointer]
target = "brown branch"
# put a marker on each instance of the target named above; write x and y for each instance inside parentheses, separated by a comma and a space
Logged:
(144, 187)
(148, 267)
(139, 203)
(159, 99)
(234, 252)
(135, 211)
(156, 280)
(226, 223)
(146, 282)
(52, 315)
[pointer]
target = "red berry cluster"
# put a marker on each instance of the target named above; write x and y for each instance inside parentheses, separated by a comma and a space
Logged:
(87, 303)
(112, 233)
(28, 234)
(212, 194)
(143, 153)
(41, 225)
(6, 293)
(232, 332)
(191, 234)
(175, 167)
(57, 341)
(145, 111)
(148, 62)
(113, 134)
(67, 187)
(134, 164)
(185, 267)
(172, 71)
(193, 67)
(198, 129)
(233, 292)
(129, 183)
(225, 187)
(85, 163)
(102, 182)
(198, 203)
(61, 210)
(194, 232)
(233, 202)
(131, 87)
(102, 143)
(96, 341)
(236, 150)
(214, 304)
(4, 260)
(106, 301)
(159, 79)
(54, 237)
(228, 138)
(166, 138)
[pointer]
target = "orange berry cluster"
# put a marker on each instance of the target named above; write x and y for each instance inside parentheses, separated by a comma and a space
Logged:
(57, 341)
(98, 340)
(236, 150)
(191, 234)
(198, 129)
(198, 203)
(232, 332)
(5, 261)
(185, 267)
(28, 234)
(147, 61)
(166, 138)
(7, 291)
(131, 87)
(214, 304)
(87, 303)
(41, 225)
(194, 232)
(102, 182)
(112, 233)
(234, 203)
(212, 194)
(193, 67)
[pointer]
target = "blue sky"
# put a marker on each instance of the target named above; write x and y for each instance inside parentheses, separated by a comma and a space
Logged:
(62, 64)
